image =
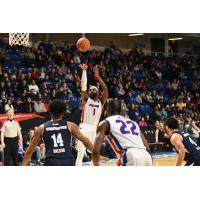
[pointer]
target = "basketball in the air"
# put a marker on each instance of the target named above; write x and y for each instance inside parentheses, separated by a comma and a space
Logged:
(83, 44)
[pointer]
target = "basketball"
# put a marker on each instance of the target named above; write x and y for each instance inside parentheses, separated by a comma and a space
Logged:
(83, 44)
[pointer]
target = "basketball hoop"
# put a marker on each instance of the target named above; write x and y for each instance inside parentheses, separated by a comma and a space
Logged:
(19, 39)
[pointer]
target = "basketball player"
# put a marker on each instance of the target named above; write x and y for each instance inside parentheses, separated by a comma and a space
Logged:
(56, 134)
(186, 147)
(124, 136)
(92, 107)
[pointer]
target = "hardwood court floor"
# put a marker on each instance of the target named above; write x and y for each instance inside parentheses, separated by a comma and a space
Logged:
(163, 161)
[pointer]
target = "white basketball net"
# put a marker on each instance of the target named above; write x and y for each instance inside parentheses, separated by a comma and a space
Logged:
(19, 39)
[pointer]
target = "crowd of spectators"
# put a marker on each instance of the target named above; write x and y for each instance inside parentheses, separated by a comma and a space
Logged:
(150, 87)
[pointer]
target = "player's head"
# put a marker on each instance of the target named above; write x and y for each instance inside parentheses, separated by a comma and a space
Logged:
(10, 113)
(171, 124)
(113, 107)
(57, 108)
(93, 92)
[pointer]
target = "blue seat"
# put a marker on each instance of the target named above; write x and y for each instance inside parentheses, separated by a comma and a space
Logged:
(142, 109)
(70, 86)
(74, 101)
(148, 109)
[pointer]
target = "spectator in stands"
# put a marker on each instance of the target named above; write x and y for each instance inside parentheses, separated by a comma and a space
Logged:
(29, 106)
(42, 73)
(8, 105)
(24, 95)
(33, 87)
(32, 94)
(34, 74)
(46, 97)
(157, 126)
(24, 86)
(139, 99)
(124, 109)
(66, 88)
(161, 133)
(9, 88)
(39, 106)
(149, 97)
(120, 90)
(18, 106)
(53, 95)
(28, 78)
(180, 105)
(142, 122)
(68, 76)
(2, 86)
(148, 120)
(4, 96)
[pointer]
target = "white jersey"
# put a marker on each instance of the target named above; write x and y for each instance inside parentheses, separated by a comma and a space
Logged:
(124, 134)
(91, 112)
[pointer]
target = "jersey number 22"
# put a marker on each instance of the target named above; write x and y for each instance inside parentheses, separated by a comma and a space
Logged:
(124, 129)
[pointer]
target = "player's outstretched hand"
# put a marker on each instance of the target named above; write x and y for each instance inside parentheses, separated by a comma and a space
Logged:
(83, 66)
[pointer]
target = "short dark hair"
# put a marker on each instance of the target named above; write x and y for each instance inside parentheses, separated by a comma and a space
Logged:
(57, 107)
(114, 106)
(172, 123)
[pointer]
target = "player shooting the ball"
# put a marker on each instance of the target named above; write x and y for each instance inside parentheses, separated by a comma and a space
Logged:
(92, 104)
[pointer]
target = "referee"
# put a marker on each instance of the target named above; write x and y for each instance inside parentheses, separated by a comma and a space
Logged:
(10, 136)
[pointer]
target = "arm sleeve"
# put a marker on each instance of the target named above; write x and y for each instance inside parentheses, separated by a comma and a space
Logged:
(84, 81)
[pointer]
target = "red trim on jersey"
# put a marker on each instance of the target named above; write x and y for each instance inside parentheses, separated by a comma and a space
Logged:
(82, 114)
(116, 149)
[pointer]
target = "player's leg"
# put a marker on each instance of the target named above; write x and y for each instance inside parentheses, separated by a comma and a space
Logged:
(7, 152)
(138, 157)
(80, 147)
(148, 159)
(131, 159)
(192, 163)
(92, 136)
(42, 151)
(80, 153)
(14, 151)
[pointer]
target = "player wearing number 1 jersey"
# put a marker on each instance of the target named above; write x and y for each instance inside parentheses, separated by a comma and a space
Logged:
(57, 138)
(124, 136)
(92, 105)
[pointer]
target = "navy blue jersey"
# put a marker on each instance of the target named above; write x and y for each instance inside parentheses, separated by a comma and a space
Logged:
(192, 148)
(1, 156)
(57, 139)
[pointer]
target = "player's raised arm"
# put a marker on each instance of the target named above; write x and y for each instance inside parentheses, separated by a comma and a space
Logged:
(103, 85)
(84, 95)
(101, 131)
(73, 128)
(176, 140)
(34, 142)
